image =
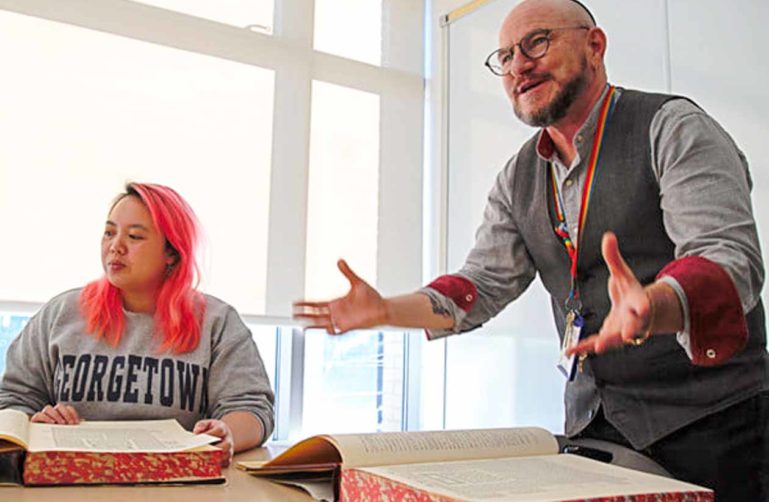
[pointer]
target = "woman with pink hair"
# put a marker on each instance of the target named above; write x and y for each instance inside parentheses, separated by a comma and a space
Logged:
(142, 342)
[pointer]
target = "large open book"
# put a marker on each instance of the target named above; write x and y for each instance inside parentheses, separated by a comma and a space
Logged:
(151, 451)
(522, 464)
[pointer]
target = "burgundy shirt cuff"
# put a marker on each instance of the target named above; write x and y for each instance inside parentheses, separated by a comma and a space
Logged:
(459, 289)
(718, 329)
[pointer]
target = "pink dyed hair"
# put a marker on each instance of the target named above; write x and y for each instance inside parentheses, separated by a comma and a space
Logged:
(179, 306)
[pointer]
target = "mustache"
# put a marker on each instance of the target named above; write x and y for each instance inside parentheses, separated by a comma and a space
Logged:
(526, 80)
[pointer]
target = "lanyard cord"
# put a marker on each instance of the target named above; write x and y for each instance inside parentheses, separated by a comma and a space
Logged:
(562, 228)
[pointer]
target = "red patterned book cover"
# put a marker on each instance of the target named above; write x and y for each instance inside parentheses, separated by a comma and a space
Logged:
(70, 468)
(98, 452)
(493, 480)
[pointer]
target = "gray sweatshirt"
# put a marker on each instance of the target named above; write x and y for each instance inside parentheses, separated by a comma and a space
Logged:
(53, 360)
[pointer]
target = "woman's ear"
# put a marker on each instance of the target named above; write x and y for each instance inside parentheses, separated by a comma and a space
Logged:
(172, 257)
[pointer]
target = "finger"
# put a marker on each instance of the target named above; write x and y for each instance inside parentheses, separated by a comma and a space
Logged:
(617, 265)
(202, 426)
(218, 430)
(55, 414)
(42, 418)
(608, 341)
(312, 317)
(305, 305)
(586, 346)
(610, 334)
(347, 271)
(615, 292)
(69, 413)
(631, 329)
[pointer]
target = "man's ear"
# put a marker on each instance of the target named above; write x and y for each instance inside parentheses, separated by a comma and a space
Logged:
(596, 43)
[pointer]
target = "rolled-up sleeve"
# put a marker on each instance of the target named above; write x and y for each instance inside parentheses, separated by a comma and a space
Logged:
(705, 198)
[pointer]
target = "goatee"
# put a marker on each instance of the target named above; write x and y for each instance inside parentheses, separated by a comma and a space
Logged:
(557, 108)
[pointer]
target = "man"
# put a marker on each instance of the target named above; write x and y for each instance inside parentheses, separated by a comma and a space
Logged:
(646, 194)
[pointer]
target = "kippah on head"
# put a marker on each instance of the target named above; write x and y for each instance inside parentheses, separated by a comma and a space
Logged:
(586, 10)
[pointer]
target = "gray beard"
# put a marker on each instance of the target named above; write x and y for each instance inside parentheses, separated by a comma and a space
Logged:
(556, 110)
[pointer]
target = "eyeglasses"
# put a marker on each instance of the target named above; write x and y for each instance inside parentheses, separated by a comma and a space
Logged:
(533, 46)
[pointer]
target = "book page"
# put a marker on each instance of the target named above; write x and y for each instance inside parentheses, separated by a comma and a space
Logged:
(14, 427)
(387, 448)
(147, 436)
(529, 479)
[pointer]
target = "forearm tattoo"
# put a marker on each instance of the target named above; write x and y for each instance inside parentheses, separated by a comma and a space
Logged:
(438, 309)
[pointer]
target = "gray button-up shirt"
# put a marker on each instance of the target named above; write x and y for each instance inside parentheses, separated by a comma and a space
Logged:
(705, 196)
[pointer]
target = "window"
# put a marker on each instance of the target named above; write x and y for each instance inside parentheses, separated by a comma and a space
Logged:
(11, 323)
(353, 383)
(342, 205)
(85, 111)
(279, 128)
(350, 28)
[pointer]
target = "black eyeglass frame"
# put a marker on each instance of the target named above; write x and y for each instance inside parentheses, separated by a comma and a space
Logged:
(496, 68)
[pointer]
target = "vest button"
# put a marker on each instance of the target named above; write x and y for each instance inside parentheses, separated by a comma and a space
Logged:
(710, 353)
(469, 298)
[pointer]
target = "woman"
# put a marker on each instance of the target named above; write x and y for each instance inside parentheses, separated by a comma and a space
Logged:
(142, 342)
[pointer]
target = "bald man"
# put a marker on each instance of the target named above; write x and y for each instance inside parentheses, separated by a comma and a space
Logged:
(634, 209)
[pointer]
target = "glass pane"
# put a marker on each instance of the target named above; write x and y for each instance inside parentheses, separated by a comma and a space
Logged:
(84, 111)
(350, 28)
(522, 386)
(256, 15)
(11, 324)
(353, 383)
(266, 338)
(342, 200)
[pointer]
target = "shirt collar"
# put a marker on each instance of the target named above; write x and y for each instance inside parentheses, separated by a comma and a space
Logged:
(546, 148)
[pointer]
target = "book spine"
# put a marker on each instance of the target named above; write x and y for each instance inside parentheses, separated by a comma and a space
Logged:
(59, 467)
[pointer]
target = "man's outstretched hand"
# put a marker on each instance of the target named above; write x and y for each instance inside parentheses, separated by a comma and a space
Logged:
(631, 313)
(362, 307)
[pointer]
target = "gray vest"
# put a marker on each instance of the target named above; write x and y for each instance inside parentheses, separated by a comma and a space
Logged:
(651, 390)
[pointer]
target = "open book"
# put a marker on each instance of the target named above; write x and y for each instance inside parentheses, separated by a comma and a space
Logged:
(151, 451)
(521, 464)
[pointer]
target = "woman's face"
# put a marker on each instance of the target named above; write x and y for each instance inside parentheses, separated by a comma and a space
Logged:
(133, 251)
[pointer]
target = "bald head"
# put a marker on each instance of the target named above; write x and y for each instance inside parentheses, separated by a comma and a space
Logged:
(549, 13)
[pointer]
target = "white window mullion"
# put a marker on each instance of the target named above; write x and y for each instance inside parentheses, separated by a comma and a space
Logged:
(288, 201)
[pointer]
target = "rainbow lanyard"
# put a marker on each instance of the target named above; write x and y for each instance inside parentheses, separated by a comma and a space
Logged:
(562, 229)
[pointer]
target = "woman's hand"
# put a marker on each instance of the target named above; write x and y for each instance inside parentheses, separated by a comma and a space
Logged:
(221, 430)
(61, 414)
